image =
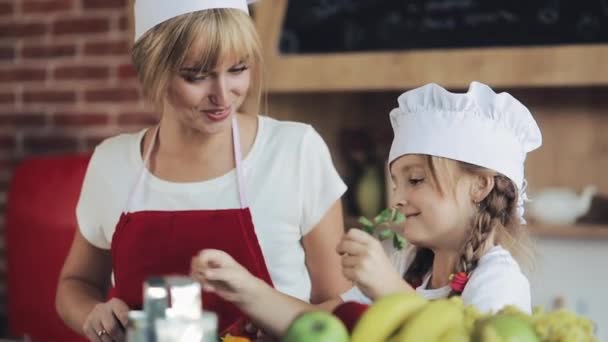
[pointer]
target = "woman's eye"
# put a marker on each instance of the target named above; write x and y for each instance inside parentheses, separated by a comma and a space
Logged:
(416, 181)
(195, 78)
(239, 70)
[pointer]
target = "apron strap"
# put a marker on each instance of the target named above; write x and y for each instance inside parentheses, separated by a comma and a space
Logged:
(142, 173)
(236, 143)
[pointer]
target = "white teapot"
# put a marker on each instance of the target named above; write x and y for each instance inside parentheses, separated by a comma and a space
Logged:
(560, 205)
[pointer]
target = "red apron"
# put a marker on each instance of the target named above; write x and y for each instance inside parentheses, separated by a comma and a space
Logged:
(153, 243)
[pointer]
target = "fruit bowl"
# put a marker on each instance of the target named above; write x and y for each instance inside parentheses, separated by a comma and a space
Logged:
(408, 317)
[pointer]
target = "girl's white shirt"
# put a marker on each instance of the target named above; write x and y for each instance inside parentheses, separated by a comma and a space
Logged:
(496, 282)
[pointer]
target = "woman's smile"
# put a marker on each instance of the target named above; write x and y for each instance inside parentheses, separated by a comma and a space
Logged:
(217, 114)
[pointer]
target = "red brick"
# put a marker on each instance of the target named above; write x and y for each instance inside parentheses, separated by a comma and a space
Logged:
(6, 98)
(112, 95)
(91, 142)
(139, 118)
(107, 48)
(22, 119)
(7, 53)
(49, 96)
(126, 71)
(7, 163)
(80, 119)
(50, 144)
(6, 8)
(21, 30)
(81, 72)
(123, 23)
(81, 25)
(7, 142)
(22, 74)
(48, 51)
(95, 4)
(46, 6)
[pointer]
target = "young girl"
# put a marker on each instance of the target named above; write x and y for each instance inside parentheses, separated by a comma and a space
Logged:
(457, 165)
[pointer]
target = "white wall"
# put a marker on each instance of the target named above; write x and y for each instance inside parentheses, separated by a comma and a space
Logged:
(576, 270)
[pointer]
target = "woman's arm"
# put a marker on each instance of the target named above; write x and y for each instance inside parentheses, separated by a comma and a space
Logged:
(82, 288)
(270, 309)
(274, 311)
(322, 260)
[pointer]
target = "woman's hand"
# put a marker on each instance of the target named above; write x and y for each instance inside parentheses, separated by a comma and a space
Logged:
(218, 272)
(365, 263)
(106, 321)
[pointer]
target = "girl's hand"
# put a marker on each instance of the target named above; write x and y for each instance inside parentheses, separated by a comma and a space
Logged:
(106, 321)
(218, 272)
(365, 263)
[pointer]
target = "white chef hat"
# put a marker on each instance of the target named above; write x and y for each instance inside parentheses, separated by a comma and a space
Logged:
(479, 127)
(149, 13)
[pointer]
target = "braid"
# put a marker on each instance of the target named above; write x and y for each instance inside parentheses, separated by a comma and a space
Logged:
(496, 212)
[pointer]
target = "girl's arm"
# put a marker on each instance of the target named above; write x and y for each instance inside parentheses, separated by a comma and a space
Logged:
(365, 263)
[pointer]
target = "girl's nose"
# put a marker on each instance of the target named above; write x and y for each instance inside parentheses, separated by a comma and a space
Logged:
(399, 199)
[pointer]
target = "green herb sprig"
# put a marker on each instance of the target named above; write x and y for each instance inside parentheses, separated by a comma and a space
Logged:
(380, 225)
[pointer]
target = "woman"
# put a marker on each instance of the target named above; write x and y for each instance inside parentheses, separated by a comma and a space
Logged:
(264, 191)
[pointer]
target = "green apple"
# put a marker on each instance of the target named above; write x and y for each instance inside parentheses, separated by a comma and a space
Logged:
(316, 326)
(504, 328)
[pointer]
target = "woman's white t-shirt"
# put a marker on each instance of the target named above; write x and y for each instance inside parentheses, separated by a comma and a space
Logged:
(497, 281)
(290, 179)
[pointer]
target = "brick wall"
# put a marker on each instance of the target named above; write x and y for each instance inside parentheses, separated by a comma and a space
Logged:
(66, 82)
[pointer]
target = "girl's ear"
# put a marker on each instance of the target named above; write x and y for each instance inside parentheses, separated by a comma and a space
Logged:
(481, 187)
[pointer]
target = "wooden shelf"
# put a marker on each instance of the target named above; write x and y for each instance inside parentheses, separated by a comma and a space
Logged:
(582, 231)
(546, 66)
(570, 232)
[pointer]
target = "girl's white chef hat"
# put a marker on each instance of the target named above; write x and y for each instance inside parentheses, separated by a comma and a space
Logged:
(149, 13)
(479, 127)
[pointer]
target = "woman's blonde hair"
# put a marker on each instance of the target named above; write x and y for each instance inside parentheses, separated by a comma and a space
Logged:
(215, 33)
(495, 221)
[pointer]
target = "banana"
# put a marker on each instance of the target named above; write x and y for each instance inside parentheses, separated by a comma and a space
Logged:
(455, 334)
(385, 316)
(432, 322)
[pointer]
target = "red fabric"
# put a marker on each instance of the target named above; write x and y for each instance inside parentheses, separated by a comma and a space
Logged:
(458, 281)
(350, 313)
(40, 226)
(153, 243)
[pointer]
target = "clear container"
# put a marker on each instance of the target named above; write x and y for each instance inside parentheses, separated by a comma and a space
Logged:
(182, 329)
(185, 297)
(156, 302)
(137, 327)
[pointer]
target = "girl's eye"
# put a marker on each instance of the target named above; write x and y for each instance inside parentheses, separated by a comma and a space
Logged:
(416, 181)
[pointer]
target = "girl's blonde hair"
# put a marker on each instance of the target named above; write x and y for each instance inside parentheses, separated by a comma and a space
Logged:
(215, 33)
(496, 221)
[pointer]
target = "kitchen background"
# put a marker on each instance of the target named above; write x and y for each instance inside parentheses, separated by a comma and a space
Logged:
(66, 83)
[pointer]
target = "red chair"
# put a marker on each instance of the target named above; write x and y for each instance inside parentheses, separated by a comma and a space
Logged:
(40, 225)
